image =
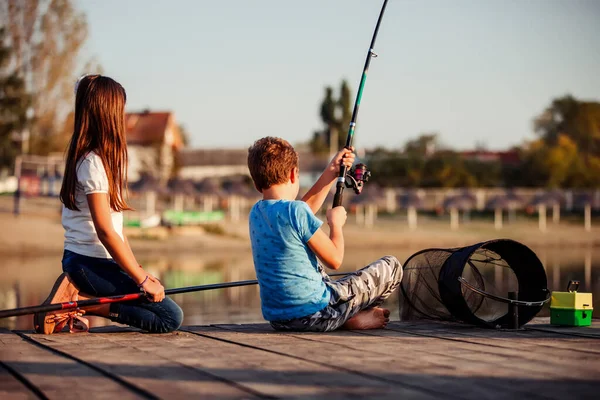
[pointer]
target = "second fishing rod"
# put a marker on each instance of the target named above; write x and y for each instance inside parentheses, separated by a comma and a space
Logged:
(75, 305)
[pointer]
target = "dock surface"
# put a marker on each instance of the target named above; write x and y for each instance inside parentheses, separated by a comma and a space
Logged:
(407, 360)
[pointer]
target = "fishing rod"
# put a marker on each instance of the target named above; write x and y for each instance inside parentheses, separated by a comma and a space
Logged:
(72, 305)
(360, 174)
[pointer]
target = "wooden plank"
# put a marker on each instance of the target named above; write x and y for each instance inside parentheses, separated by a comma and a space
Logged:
(265, 373)
(559, 344)
(390, 366)
(505, 338)
(543, 325)
(431, 356)
(53, 375)
(572, 373)
(517, 354)
(11, 388)
(472, 374)
(157, 375)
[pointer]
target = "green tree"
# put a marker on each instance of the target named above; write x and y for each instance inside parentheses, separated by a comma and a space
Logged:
(335, 114)
(47, 37)
(14, 102)
(423, 164)
(579, 120)
(390, 168)
(567, 154)
(344, 105)
(185, 135)
(423, 146)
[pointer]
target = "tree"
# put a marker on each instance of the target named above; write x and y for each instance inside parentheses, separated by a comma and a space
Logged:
(578, 120)
(559, 165)
(185, 135)
(14, 103)
(568, 151)
(423, 146)
(335, 115)
(424, 164)
(344, 105)
(46, 36)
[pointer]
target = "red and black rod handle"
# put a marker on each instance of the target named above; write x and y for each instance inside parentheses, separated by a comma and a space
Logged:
(74, 305)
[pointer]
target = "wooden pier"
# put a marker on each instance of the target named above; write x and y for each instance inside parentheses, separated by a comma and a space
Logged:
(408, 360)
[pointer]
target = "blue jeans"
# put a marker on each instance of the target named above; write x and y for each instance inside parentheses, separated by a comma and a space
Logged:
(103, 277)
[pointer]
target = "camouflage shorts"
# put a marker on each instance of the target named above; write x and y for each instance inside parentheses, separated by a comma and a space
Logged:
(365, 288)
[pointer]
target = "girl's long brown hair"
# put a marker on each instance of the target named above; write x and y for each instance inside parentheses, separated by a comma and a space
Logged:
(99, 127)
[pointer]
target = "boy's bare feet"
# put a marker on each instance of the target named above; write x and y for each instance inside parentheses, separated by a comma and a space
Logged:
(371, 318)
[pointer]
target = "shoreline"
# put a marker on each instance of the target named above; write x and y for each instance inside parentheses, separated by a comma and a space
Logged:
(42, 235)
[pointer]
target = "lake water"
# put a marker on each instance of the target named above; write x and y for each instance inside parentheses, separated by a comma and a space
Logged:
(26, 282)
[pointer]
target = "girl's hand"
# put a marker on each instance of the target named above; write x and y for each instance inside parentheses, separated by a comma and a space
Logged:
(154, 289)
(345, 157)
(336, 217)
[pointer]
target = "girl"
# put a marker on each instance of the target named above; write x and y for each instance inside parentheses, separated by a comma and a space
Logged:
(97, 259)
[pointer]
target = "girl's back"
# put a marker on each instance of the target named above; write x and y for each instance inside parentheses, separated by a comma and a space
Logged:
(80, 233)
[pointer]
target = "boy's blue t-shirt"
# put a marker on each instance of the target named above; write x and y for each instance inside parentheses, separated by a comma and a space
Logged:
(290, 283)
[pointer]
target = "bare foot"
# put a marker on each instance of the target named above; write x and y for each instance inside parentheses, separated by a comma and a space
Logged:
(371, 318)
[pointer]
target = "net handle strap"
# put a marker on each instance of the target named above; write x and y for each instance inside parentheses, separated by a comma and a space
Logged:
(466, 284)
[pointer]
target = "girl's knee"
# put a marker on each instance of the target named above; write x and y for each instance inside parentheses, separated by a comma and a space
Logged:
(175, 316)
(169, 318)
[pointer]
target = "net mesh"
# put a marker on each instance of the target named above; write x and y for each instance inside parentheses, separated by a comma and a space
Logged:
(431, 288)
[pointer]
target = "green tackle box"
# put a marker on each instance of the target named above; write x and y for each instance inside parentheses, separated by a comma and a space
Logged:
(571, 308)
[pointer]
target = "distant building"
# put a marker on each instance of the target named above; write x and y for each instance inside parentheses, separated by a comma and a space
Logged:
(153, 141)
(508, 157)
(198, 164)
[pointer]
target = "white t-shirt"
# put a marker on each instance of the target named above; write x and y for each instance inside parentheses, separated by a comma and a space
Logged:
(80, 233)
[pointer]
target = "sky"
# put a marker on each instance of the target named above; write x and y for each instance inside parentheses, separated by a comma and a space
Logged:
(474, 71)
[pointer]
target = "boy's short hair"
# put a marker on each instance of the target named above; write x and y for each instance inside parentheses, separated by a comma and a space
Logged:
(270, 161)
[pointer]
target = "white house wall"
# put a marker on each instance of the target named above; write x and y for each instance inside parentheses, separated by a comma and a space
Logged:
(198, 173)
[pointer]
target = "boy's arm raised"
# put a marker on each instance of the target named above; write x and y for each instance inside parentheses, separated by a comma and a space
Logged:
(330, 250)
(318, 192)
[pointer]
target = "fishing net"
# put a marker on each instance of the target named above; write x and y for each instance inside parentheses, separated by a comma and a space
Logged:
(472, 284)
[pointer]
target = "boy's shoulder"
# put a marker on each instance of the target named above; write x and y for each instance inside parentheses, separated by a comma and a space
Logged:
(287, 209)
(281, 205)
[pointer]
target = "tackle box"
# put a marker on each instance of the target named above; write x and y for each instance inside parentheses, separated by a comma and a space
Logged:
(571, 308)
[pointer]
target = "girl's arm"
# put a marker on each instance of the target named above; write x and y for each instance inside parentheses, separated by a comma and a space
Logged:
(128, 247)
(126, 241)
(118, 249)
(330, 250)
(318, 192)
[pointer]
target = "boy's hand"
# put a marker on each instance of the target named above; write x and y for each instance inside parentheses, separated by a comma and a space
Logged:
(345, 156)
(336, 217)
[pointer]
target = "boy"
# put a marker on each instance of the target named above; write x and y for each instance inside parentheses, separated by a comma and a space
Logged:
(296, 294)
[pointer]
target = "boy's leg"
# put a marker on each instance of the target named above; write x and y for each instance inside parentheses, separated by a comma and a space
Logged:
(366, 288)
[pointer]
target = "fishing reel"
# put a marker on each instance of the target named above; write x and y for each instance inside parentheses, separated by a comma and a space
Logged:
(356, 177)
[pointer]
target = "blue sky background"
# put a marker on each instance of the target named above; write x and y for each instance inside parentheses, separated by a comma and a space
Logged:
(234, 71)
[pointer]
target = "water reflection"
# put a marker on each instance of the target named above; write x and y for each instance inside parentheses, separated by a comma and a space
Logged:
(26, 282)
